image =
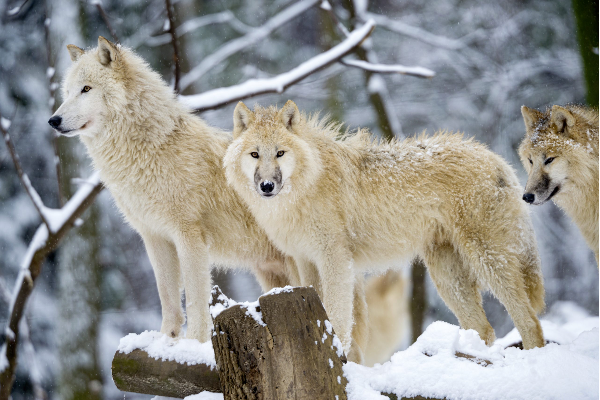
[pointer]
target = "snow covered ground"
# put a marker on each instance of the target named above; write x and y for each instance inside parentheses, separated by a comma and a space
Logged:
(565, 369)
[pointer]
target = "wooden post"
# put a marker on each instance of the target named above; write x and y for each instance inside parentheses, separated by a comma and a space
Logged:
(281, 349)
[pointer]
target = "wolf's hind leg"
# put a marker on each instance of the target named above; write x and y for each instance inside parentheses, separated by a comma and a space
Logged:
(360, 329)
(163, 258)
(459, 290)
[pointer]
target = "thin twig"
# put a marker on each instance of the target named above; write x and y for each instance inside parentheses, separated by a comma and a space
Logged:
(419, 72)
(52, 86)
(33, 195)
(98, 4)
(174, 44)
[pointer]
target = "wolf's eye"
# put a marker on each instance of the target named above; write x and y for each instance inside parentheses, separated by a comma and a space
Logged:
(548, 160)
(254, 154)
(86, 89)
(530, 162)
(280, 153)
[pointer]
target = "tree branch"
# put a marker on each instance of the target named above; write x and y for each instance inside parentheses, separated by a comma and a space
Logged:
(43, 243)
(413, 32)
(31, 192)
(98, 4)
(174, 44)
(243, 42)
(419, 72)
(198, 22)
(253, 87)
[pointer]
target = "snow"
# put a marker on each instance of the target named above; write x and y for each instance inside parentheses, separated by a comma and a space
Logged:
(5, 123)
(161, 346)
(3, 360)
(429, 367)
(382, 68)
(277, 84)
(56, 218)
(239, 44)
(205, 396)
(277, 290)
(50, 72)
(252, 308)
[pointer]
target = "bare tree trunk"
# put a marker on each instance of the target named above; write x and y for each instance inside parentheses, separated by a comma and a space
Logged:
(79, 272)
(586, 15)
(289, 354)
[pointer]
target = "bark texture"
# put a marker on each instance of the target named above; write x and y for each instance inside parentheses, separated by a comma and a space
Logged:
(137, 372)
(289, 354)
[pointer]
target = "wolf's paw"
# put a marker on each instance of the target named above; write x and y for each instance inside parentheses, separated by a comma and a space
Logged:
(200, 333)
(172, 326)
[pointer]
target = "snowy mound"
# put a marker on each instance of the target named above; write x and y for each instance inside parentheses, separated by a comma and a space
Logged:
(430, 368)
(160, 346)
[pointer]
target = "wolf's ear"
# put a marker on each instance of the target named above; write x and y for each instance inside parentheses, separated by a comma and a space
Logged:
(290, 115)
(107, 51)
(74, 51)
(530, 117)
(242, 117)
(561, 118)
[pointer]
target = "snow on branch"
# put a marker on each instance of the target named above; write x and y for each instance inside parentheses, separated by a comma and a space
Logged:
(415, 33)
(243, 42)
(419, 72)
(253, 87)
(45, 240)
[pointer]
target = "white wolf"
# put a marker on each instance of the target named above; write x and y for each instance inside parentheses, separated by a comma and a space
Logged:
(164, 169)
(560, 154)
(349, 204)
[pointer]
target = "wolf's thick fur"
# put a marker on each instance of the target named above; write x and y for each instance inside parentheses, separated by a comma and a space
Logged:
(351, 204)
(164, 169)
(560, 154)
(389, 317)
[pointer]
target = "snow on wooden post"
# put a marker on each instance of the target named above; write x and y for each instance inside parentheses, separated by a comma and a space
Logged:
(281, 347)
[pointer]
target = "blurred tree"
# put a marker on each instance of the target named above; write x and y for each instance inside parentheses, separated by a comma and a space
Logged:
(586, 15)
(79, 272)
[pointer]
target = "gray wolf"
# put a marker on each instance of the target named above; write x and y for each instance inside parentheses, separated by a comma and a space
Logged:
(560, 154)
(163, 167)
(352, 204)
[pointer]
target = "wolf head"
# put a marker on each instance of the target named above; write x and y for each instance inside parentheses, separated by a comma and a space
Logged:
(269, 154)
(555, 146)
(84, 89)
(111, 85)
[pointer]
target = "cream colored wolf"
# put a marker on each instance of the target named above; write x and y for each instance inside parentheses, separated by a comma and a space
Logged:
(348, 205)
(560, 154)
(164, 169)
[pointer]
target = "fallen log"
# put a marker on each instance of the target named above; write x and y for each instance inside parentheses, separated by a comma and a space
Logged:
(138, 372)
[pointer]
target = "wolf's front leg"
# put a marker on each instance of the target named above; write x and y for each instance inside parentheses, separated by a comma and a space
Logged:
(163, 258)
(337, 285)
(195, 268)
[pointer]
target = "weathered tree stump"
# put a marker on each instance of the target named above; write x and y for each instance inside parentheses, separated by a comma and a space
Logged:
(281, 349)
(138, 372)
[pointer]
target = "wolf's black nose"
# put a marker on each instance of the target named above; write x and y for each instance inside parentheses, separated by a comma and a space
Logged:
(267, 186)
(55, 121)
(529, 197)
